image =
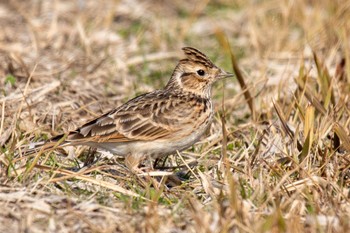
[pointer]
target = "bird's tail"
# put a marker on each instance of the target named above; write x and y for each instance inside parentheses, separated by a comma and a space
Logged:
(42, 147)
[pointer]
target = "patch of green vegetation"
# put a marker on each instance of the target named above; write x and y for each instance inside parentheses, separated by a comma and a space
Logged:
(239, 52)
(155, 78)
(245, 189)
(41, 137)
(11, 170)
(134, 28)
(10, 79)
(136, 203)
(275, 222)
(156, 196)
(237, 144)
(183, 12)
(310, 205)
(230, 147)
(73, 73)
(218, 6)
(131, 203)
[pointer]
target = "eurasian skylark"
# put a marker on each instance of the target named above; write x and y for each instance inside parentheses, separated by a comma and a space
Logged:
(158, 123)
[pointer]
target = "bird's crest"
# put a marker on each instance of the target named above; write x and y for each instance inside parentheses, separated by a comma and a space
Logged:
(195, 55)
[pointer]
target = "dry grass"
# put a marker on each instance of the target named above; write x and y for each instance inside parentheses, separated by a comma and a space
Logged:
(284, 168)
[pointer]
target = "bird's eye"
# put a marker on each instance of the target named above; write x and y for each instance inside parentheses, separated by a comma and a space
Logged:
(200, 72)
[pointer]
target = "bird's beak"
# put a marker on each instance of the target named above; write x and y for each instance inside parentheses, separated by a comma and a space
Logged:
(224, 74)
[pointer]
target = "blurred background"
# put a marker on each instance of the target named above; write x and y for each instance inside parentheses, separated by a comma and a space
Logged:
(75, 59)
(92, 53)
(118, 49)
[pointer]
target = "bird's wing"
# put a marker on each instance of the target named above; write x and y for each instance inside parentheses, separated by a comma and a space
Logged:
(148, 117)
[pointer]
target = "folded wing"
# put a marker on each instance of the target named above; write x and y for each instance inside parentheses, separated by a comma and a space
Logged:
(148, 117)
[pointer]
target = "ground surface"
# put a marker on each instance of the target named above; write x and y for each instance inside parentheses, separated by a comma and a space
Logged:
(281, 164)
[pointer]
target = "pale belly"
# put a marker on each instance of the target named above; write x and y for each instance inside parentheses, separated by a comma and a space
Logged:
(154, 149)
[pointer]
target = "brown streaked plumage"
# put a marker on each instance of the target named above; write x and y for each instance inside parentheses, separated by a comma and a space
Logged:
(158, 123)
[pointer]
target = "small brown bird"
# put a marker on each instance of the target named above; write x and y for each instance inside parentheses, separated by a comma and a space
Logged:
(158, 123)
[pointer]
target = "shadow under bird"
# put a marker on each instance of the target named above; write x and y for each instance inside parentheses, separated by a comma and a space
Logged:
(157, 123)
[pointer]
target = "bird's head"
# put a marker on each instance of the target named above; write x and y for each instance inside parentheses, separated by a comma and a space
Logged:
(195, 73)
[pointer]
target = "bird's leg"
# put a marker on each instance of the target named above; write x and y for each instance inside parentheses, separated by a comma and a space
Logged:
(133, 162)
(158, 160)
